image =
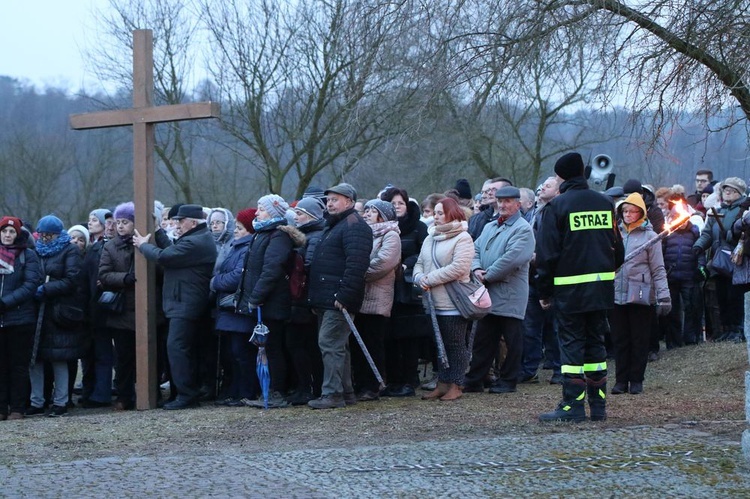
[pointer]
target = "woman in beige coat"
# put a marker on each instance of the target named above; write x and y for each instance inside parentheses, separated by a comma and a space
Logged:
(372, 319)
(641, 290)
(446, 256)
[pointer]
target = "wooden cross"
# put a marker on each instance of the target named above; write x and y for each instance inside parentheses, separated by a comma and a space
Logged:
(142, 118)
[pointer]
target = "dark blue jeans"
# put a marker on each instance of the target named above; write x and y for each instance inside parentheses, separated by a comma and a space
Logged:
(103, 363)
(682, 331)
(539, 332)
(242, 355)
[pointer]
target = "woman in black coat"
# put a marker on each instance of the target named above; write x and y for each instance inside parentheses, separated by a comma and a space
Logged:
(237, 353)
(63, 336)
(117, 274)
(264, 285)
(409, 324)
(19, 278)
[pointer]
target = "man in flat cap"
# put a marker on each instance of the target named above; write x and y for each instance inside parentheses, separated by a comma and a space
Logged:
(188, 264)
(501, 261)
(578, 251)
(337, 282)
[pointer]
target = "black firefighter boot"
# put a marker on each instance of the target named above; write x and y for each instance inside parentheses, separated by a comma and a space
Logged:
(571, 408)
(597, 394)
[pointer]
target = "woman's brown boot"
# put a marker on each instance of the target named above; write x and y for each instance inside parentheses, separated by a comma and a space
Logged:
(455, 392)
(440, 390)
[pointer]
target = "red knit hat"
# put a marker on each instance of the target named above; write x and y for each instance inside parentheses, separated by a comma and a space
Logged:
(11, 222)
(246, 217)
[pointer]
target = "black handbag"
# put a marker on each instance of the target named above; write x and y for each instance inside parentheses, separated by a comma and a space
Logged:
(67, 316)
(112, 301)
(229, 302)
(406, 292)
(721, 262)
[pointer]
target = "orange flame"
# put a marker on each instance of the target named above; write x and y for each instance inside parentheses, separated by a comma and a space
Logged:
(682, 215)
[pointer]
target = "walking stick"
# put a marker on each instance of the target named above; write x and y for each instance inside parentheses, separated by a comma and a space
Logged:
(218, 366)
(363, 347)
(442, 356)
(472, 335)
(38, 332)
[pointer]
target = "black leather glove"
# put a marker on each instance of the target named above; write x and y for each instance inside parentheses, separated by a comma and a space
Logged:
(129, 279)
(697, 250)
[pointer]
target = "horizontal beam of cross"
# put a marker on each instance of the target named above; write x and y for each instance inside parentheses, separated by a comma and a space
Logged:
(161, 114)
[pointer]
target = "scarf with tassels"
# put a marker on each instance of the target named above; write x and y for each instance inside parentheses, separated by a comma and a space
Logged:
(449, 230)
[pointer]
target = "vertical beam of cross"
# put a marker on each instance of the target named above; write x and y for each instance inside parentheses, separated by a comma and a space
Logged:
(142, 118)
(143, 184)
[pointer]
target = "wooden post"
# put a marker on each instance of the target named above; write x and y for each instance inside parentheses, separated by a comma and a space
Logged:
(142, 118)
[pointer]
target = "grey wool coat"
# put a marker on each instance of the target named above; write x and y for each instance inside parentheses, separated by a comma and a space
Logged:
(504, 250)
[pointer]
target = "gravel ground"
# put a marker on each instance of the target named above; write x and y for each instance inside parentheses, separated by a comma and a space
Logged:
(693, 402)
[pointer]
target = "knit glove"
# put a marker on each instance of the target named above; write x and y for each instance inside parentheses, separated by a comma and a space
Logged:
(663, 308)
(129, 279)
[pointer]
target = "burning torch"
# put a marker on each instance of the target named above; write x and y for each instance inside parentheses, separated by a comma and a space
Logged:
(682, 216)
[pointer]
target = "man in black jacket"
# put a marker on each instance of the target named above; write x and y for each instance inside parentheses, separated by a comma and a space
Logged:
(578, 250)
(337, 282)
(188, 265)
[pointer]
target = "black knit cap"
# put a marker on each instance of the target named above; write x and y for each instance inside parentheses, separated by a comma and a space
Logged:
(569, 165)
(173, 210)
(631, 186)
(463, 188)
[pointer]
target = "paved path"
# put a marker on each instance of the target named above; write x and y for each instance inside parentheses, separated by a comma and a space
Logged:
(626, 462)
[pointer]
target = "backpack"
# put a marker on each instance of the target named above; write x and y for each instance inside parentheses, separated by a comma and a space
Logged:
(297, 276)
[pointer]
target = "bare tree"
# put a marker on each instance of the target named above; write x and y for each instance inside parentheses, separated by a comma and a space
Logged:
(665, 56)
(175, 41)
(34, 169)
(509, 101)
(311, 86)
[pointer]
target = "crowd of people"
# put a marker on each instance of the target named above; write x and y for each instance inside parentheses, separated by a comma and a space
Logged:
(575, 276)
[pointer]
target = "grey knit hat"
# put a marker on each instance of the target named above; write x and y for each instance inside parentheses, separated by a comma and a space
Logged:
(274, 205)
(311, 206)
(386, 210)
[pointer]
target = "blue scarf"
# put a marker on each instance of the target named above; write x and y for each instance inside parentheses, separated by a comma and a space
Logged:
(53, 247)
(260, 225)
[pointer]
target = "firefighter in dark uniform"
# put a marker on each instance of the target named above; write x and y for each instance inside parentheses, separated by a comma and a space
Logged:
(577, 255)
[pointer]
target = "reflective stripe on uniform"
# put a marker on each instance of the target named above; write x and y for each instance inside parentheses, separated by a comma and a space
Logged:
(596, 367)
(571, 369)
(583, 278)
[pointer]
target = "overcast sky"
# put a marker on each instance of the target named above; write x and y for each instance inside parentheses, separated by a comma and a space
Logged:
(42, 41)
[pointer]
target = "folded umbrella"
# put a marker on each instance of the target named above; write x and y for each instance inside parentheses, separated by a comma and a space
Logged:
(259, 338)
